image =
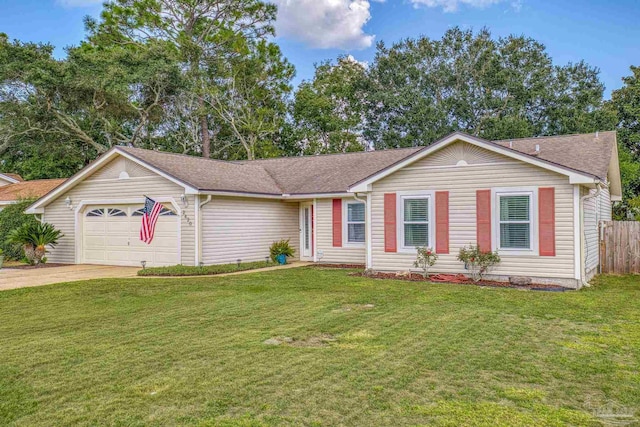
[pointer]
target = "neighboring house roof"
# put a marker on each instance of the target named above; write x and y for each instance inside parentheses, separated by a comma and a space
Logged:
(14, 176)
(584, 158)
(11, 177)
(28, 189)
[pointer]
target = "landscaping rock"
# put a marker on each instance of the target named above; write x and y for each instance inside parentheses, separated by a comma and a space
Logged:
(520, 280)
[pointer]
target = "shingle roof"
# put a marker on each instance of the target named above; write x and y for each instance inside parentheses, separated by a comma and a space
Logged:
(285, 175)
(14, 176)
(28, 189)
(586, 152)
(335, 173)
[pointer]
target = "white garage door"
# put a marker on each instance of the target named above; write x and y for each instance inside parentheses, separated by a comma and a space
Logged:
(111, 236)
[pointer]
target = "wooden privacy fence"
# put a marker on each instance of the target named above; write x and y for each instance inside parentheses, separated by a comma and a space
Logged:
(620, 247)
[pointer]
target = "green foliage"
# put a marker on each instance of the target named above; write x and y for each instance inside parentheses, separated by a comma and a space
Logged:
(34, 238)
(422, 89)
(425, 259)
(478, 262)
(328, 110)
(11, 218)
(625, 104)
(281, 247)
(187, 270)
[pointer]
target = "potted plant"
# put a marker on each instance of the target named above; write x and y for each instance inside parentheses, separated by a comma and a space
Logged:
(280, 251)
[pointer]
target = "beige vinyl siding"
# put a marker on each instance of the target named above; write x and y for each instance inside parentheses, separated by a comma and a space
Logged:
(244, 228)
(484, 171)
(105, 185)
(595, 210)
(324, 235)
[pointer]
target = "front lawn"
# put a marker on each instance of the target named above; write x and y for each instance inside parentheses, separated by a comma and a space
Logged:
(339, 350)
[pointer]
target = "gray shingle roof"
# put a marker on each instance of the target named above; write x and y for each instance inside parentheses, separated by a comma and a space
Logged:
(581, 152)
(335, 173)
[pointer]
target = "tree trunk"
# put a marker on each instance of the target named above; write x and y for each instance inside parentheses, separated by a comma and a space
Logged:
(204, 131)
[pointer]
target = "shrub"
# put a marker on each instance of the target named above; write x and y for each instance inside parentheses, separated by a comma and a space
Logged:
(34, 239)
(13, 217)
(425, 259)
(281, 247)
(478, 262)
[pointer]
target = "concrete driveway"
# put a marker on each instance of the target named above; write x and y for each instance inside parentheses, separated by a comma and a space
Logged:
(13, 278)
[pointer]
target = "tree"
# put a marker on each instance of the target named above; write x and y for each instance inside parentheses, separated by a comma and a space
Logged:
(249, 96)
(99, 96)
(203, 32)
(625, 104)
(421, 89)
(328, 110)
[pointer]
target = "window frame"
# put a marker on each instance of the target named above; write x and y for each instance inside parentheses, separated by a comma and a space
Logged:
(431, 223)
(346, 222)
(532, 193)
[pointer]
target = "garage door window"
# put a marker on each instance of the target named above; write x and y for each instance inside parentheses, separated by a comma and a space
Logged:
(163, 212)
(116, 212)
(96, 212)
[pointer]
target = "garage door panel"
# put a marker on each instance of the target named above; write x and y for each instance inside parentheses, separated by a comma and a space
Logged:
(116, 240)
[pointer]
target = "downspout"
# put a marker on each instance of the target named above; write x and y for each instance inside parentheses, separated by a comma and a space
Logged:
(198, 230)
(583, 268)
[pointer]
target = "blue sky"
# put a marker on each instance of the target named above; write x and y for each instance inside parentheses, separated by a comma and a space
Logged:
(603, 33)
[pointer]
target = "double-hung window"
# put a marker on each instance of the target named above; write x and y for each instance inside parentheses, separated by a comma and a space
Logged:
(515, 221)
(355, 222)
(416, 221)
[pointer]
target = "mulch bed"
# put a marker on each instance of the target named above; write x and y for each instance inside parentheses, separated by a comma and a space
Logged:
(459, 279)
(33, 267)
(346, 266)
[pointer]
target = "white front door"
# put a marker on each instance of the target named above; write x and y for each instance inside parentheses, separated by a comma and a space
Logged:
(306, 231)
(111, 236)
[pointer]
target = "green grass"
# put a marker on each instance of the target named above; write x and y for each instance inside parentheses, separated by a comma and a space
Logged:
(187, 270)
(191, 352)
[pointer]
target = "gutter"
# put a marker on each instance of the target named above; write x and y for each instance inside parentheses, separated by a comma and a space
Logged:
(583, 267)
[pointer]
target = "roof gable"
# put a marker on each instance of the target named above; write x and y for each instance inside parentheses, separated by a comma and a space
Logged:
(575, 176)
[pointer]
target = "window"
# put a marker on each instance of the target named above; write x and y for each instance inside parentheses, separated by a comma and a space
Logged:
(416, 221)
(167, 212)
(163, 212)
(515, 221)
(96, 212)
(355, 222)
(116, 212)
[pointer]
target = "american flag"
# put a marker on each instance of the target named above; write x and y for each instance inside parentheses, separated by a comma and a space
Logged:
(150, 215)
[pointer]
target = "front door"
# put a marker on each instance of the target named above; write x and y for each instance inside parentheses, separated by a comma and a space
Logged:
(306, 231)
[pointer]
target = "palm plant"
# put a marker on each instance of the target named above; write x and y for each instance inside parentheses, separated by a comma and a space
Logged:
(34, 239)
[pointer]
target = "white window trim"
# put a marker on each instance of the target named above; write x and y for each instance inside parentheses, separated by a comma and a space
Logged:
(532, 192)
(401, 196)
(345, 224)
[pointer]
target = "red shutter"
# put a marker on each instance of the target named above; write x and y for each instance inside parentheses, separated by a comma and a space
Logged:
(390, 237)
(547, 221)
(337, 223)
(483, 219)
(442, 222)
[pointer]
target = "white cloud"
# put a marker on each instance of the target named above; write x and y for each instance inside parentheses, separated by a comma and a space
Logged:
(78, 3)
(325, 23)
(454, 5)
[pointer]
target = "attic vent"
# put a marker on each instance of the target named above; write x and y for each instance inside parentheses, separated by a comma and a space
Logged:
(123, 175)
